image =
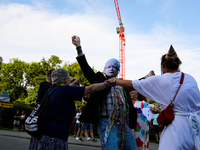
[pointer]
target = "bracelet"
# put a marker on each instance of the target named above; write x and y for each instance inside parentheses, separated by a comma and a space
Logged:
(106, 84)
(79, 50)
(79, 47)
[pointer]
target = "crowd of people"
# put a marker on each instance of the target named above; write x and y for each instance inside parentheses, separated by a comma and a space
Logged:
(83, 128)
(117, 107)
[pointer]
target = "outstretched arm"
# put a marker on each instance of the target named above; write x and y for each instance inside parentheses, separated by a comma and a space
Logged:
(127, 83)
(96, 87)
(124, 83)
(87, 70)
(151, 73)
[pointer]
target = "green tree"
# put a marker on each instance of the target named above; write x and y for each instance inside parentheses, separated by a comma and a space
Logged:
(53, 62)
(12, 79)
(22, 80)
(80, 104)
(76, 72)
(37, 73)
(31, 99)
(152, 102)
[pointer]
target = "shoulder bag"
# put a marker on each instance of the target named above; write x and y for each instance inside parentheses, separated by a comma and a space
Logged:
(167, 115)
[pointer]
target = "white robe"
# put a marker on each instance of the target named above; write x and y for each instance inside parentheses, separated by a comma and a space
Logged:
(162, 88)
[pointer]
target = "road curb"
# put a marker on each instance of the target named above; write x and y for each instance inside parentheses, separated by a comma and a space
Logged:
(15, 136)
(71, 140)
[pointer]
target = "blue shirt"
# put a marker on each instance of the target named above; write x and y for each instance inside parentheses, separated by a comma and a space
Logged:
(155, 119)
(62, 101)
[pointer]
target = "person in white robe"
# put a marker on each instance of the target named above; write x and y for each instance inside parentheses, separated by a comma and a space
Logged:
(184, 131)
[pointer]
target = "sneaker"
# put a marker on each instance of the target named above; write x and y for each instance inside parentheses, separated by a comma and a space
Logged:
(77, 138)
(157, 142)
(74, 135)
(80, 139)
(94, 140)
(88, 139)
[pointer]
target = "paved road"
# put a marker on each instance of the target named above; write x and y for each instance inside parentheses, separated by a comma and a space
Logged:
(18, 138)
(15, 143)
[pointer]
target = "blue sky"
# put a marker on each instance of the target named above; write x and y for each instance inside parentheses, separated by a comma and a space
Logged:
(33, 29)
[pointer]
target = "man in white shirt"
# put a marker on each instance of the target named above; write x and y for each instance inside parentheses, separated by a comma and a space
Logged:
(78, 123)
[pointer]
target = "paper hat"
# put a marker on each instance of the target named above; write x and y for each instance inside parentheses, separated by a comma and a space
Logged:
(171, 53)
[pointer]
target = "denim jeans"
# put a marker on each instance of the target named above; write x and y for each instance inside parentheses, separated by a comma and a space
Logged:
(113, 141)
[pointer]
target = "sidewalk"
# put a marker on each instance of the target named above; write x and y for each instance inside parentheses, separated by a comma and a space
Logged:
(71, 140)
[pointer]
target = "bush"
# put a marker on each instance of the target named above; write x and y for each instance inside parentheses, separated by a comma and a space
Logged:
(7, 114)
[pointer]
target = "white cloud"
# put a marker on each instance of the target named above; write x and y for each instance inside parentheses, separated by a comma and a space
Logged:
(29, 33)
(143, 52)
(33, 32)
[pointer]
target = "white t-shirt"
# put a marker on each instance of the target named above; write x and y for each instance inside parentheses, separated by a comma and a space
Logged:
(77, 116)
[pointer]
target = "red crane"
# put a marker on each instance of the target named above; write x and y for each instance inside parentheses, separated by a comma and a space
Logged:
(120, 31)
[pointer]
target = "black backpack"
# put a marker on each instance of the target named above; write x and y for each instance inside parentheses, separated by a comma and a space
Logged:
(35, 122)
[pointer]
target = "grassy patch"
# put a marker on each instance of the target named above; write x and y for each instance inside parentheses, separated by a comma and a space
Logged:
(8, 129)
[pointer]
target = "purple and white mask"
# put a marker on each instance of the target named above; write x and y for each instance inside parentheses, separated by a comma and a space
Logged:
(111, 68)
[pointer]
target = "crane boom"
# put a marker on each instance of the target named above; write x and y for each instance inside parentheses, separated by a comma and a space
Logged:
(117, 9)
(120, 31)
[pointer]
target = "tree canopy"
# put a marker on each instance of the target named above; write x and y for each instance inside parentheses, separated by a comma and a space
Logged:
(12, 79)
(22, 80)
